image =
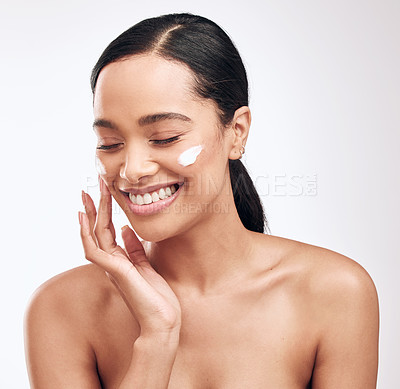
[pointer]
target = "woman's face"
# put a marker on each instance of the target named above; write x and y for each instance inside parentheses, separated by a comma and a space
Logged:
(146, 115)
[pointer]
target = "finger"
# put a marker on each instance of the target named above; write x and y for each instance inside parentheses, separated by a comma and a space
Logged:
(128, 278)
(133, 246)
(111, 264)
(92, 252)
(91, 212)
(104, 230)
(112, 229)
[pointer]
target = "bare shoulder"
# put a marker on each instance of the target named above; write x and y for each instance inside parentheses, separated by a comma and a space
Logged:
(70, 303)
(336, 301)
(333, 277)
(322, 276)
(61, 321)
(333, 294)
(71, 292)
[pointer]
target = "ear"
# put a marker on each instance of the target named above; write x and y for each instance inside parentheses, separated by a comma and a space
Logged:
(240, 126)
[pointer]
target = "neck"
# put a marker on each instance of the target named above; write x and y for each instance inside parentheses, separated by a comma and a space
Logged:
(206, 257)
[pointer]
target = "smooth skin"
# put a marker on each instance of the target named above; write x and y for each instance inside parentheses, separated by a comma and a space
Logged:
(201, 302)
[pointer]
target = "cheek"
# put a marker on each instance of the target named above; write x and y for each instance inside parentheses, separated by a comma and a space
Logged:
(199, 154)
(101, 169)
(189, 156)
(106, 167)
(190, 160)
(183, 159)
(205, 170)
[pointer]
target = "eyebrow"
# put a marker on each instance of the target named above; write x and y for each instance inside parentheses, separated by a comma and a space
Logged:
(145, 120)
(104, 123)
(158, 117)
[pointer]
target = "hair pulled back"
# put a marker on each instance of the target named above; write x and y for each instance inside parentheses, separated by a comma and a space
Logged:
(219, 75)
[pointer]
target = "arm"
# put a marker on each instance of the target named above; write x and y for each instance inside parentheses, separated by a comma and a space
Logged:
(147, 295)
(151, 364)
(58, 325)
(347, 355)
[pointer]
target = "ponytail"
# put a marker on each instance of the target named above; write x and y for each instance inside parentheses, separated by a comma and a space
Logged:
(247, 200)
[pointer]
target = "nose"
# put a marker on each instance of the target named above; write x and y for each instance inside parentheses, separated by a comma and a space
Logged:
(137, 164)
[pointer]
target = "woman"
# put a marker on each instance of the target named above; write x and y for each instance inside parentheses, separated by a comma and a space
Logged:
(206, 300)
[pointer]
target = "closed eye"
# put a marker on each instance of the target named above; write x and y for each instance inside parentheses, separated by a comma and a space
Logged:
(165, 141)
(108, 147)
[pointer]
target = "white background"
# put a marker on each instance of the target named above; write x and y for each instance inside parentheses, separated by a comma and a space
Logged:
(323, 149)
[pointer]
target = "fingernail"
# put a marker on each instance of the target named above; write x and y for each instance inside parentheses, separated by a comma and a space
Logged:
(124, 227)
(101, 185)
(83, 222)
(84, 198)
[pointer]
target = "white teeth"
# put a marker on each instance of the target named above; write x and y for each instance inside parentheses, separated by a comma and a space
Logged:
(139, 199)
(161, 194)
(132, 197)
(148, 198)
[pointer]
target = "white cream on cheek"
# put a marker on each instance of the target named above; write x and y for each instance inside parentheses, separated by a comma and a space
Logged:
(99, 166)
(189, 156)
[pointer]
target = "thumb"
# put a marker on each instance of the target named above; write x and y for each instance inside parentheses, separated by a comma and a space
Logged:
(133, 246)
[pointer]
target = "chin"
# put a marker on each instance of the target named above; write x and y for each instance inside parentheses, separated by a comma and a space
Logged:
(162, 229)
(150, 234)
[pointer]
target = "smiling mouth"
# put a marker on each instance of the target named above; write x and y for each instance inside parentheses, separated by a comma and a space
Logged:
(155, 196)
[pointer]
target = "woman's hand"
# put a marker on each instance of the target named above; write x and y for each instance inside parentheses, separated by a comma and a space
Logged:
(148, 296)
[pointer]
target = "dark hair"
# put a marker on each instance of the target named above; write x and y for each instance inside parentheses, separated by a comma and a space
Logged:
(219, 75)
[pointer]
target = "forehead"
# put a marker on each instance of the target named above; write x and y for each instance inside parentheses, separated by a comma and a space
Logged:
(144, 83)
